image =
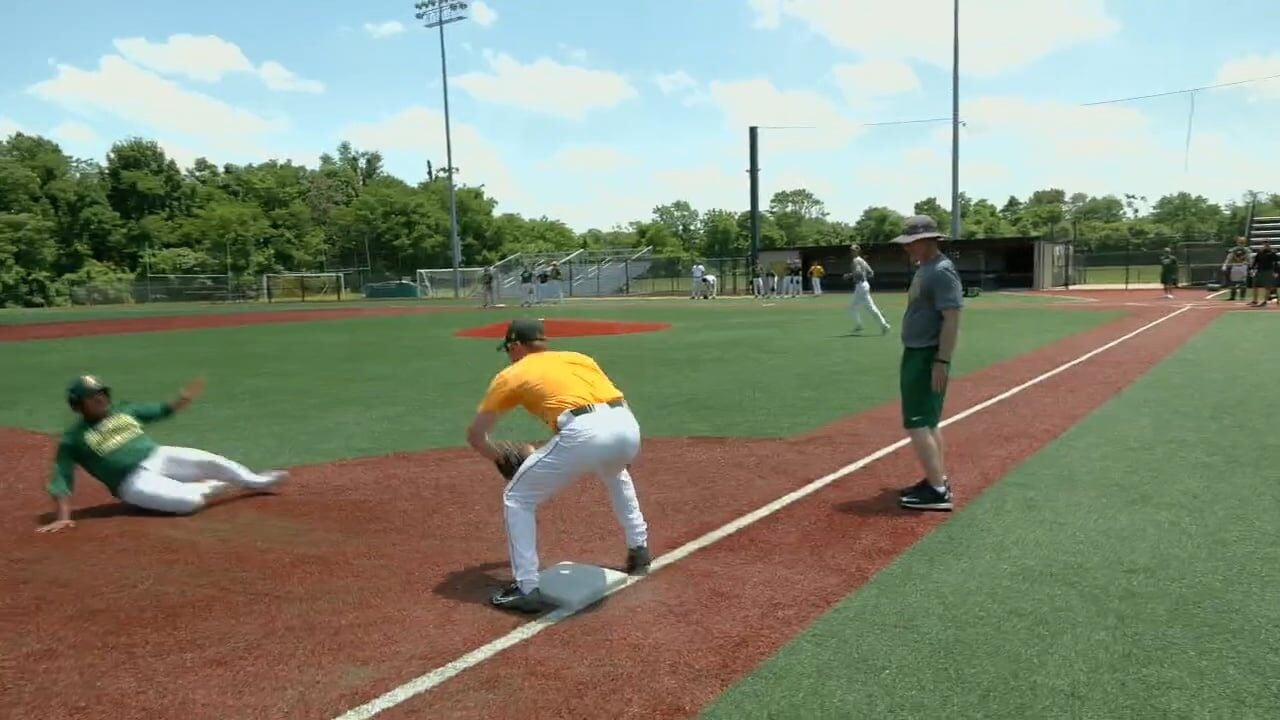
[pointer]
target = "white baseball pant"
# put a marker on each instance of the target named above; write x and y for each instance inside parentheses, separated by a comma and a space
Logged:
(182, 480)
(817, 285)
(602, 442)
(861, 299)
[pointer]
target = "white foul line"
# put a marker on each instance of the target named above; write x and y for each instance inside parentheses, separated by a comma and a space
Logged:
(423, 683)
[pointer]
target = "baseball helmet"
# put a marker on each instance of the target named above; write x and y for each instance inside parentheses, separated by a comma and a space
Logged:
(84, 386)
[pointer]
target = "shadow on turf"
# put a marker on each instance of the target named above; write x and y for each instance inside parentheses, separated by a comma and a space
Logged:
(476, 584)
(882, 503)
(120, 509)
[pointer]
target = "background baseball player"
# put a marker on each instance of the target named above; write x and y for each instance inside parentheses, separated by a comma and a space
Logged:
(593, 432)
(488, 283)
(860, 275)
(526, 288)
(709, 286)
(1169, 272)
(1236, 267)
(109, 442)
(1264, 274)
(696, 287)
(816, 273)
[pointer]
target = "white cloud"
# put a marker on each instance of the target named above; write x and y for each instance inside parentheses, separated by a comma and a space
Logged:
(1099, 150)
(417, 134)
(546, 86)
(75, 132)
(127, 91)
(208, 58)
(9, 126)
(483, 14)
(278, 77)
(576, 54)
(995, 35)
(1250, 67)
(874, 79)
(675, 82)
(758, 102)
(593, 159)
(384, 29)
(768, 13)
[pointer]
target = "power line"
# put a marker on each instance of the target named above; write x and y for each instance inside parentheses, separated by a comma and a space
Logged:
(1090, 104)
(1179, 92)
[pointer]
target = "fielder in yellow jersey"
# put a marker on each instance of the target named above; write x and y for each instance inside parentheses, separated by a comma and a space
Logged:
(593, 431)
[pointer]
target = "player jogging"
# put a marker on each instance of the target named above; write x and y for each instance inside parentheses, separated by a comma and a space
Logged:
(860, 275)
(930, 329)
(526, 288)
(109, 442)
(593, 432)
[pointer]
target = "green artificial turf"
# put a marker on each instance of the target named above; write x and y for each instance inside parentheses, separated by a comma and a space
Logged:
(284, 394)
(1129, 570)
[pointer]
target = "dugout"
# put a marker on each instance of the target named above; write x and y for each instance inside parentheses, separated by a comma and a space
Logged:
(1020, 263)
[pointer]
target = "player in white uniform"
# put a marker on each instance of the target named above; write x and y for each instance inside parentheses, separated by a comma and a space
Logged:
(594, 433)
(709, 286)
(695, 285)
(861, 275)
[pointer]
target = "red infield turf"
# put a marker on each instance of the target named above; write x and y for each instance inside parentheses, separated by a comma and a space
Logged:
(364, 574)
(165, 323)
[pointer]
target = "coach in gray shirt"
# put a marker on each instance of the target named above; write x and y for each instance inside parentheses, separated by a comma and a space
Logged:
(930, 328)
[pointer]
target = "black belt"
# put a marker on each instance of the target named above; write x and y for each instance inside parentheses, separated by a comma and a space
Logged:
(580, 411)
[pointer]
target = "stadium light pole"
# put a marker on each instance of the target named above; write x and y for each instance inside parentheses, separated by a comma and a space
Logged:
(437, 14)
(955, 123)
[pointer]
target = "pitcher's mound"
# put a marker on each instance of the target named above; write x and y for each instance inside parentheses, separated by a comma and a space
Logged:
(568, 327)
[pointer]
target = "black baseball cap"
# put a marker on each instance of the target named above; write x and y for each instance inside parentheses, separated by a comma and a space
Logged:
(522, 331)
(919, 227)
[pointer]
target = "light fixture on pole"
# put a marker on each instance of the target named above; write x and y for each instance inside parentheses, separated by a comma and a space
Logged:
(437, 14)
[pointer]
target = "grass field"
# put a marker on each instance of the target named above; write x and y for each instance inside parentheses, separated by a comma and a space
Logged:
(1113, 554)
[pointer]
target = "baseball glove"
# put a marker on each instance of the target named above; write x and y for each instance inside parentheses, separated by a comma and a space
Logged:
(511, 456)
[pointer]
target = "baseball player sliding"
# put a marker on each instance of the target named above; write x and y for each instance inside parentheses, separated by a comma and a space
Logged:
(109, 442)
(593, 432)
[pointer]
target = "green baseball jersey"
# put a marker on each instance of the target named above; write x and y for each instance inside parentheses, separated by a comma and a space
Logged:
(109, 449)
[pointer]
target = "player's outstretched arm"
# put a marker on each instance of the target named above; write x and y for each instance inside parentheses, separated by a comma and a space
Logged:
(60, 487)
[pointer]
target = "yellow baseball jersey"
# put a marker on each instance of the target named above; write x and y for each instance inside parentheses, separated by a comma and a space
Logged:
(817, 271)
(548, 383)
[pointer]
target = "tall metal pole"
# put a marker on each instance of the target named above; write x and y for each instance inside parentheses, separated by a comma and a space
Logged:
(438, 9)
(753, 141)
(955, 125)
(453, 199)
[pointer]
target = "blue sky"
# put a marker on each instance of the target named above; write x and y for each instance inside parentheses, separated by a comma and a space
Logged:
(594, 112)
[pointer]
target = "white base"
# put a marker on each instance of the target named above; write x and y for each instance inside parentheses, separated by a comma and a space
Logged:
(574, 586)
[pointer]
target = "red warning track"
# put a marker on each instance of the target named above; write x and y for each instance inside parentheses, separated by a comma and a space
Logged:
(569, 327)
(165, 323)
(370, 572)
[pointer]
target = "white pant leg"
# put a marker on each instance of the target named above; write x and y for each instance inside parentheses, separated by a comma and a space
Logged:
(603, 442)
(559, 290)
(695, 287)
(150, 490)
(862, 298)
(191, 465)
(817, 286)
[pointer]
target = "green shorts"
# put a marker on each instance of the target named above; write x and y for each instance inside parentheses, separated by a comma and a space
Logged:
(921, 406)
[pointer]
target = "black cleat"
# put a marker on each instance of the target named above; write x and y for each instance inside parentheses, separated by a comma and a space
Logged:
(638, 560)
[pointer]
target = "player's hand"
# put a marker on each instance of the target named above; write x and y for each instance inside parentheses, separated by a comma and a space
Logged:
(939, 377)
(56, 526)
(192, 390)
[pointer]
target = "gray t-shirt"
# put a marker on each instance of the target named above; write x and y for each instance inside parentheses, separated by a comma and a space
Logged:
(934, 287)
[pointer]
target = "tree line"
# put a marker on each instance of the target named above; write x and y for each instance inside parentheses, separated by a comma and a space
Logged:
(67, 221)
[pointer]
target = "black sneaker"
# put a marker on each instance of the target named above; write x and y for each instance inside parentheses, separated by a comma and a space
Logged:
(638, 560)
(510, 598)
(911, 489)
(927, 498)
